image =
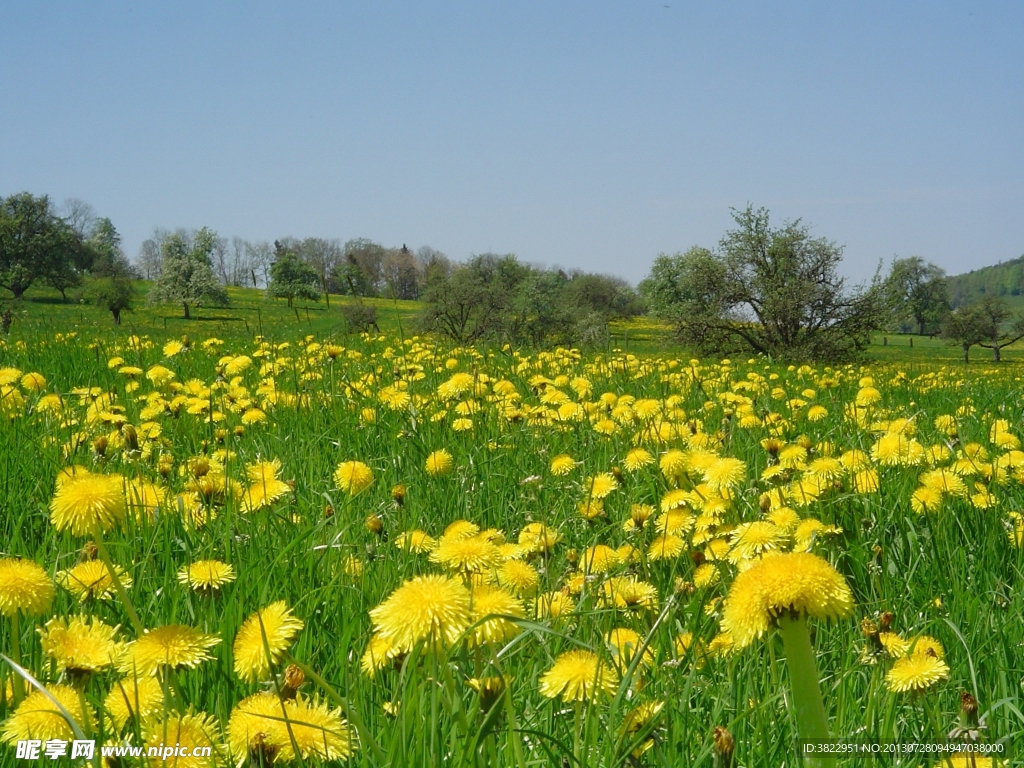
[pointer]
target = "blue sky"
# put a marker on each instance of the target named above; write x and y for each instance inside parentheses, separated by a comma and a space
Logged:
(591, 135)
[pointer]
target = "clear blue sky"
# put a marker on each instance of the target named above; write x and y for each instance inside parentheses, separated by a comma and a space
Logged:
(583, 134)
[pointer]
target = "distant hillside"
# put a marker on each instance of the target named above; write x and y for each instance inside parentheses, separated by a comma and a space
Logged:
(1005, 279)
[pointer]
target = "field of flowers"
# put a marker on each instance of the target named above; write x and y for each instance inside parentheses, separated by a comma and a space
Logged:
(396, 553)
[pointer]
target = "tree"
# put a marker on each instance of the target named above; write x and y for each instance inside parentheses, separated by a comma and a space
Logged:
(292, 278)
(186, 272)
(965, 326)
(771, 291)
(994, 313)
(35, 244)
(363, 270)
(115, 294)
(917, 292)
(401, 274)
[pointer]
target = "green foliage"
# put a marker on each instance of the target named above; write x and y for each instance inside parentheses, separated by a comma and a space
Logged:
(36, 244)
(186, 275)
(1004, 279)
(983, 324)
(918, 294)
(292, 278)
(115, 294)
(771, 291)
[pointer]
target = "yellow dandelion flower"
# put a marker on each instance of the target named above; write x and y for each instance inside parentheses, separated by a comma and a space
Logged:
(91, 579)
(206, 576)
(174, 646)
(353, 477)
(432, 609)
(724, 473)
(916, 672)
(562, 464)
(538, 537)
(817, 413)
(673, 464)
(579, 676)
(24, 588)
(629, 593)
(37, 717)
(637, 459)
(35, 382)
(518, 577)
(599, 558)
(705, 575)
(600, 486)
(485, 601)
(271, 629)
(926, 499)
(866, 481)
(378, 654)
(473, 554)
(624, 644)
(79, 644)
(415, 541)
(85, 503)
(798, 581)
(553, 605)
(134, 698)
(197, 731)
(257, 726)
(590, 509)
(665, 547)
(439, 463)
(320, 733)
(750, 540)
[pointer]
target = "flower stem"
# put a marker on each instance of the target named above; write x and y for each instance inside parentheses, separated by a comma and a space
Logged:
(808, 707)
(19, 684)
(101, 548)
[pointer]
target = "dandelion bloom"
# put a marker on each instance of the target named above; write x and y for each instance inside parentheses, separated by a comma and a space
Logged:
(274, 627)
(473, 554)
(378, 654)
(85, 503)
(353, 476)
(628, 592)
(265, 724)
(796, 581)
(415, 541)
(579, 676)
(439, 463)
(427, 608)
(492, 601)
(91, 579)
(24, 587)
(562, 464)
(552, 605)
(916, 672)
(80, 644)
(538, 537)
(174, 645)
(206, 576)
(134, 698)
(38, 718)
(724, 473)
(195, 730)
(637, 459)
(624, 644)
(519, 577)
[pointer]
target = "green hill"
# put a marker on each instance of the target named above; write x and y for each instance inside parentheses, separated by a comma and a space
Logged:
(1003, 279)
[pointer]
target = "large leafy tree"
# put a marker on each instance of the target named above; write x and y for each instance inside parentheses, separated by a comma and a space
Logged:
(291, 278)
(918, 293)
(774, 291)
(36, 244)
(988, 323)
(186, 272)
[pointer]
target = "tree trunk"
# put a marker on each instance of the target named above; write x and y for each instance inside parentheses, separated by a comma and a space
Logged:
(289, 302)
(967, 351)
(996, 354)
(920, 328)
(117, 316)
(187, 315)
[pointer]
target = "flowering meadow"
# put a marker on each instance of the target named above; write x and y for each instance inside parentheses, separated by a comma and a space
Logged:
(391, 552)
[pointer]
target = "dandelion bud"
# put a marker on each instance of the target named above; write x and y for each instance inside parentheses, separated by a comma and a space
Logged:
(239, 430)
(617, 474)
(375, 525)
(131, 437)
(262, 749)
(398, 494)
(89, 551)
(220, 435)
(698, 558)
(868, 628)
(201, 466)
(165, 465)
(293, 679)
(885, 621)
(99, 445)
(724, 746)
(968, 711)
(572, 556)
(804, 442)
(490, 690)
(328, 511)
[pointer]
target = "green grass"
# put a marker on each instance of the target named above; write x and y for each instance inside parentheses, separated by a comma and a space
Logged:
(952, 574)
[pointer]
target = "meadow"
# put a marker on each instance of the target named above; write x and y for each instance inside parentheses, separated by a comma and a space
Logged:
(297, 544)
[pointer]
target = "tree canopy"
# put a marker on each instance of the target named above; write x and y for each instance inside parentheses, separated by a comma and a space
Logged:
(37, 244)
(291, 278)
(186, 272)
(770, 291)
(918, 294)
